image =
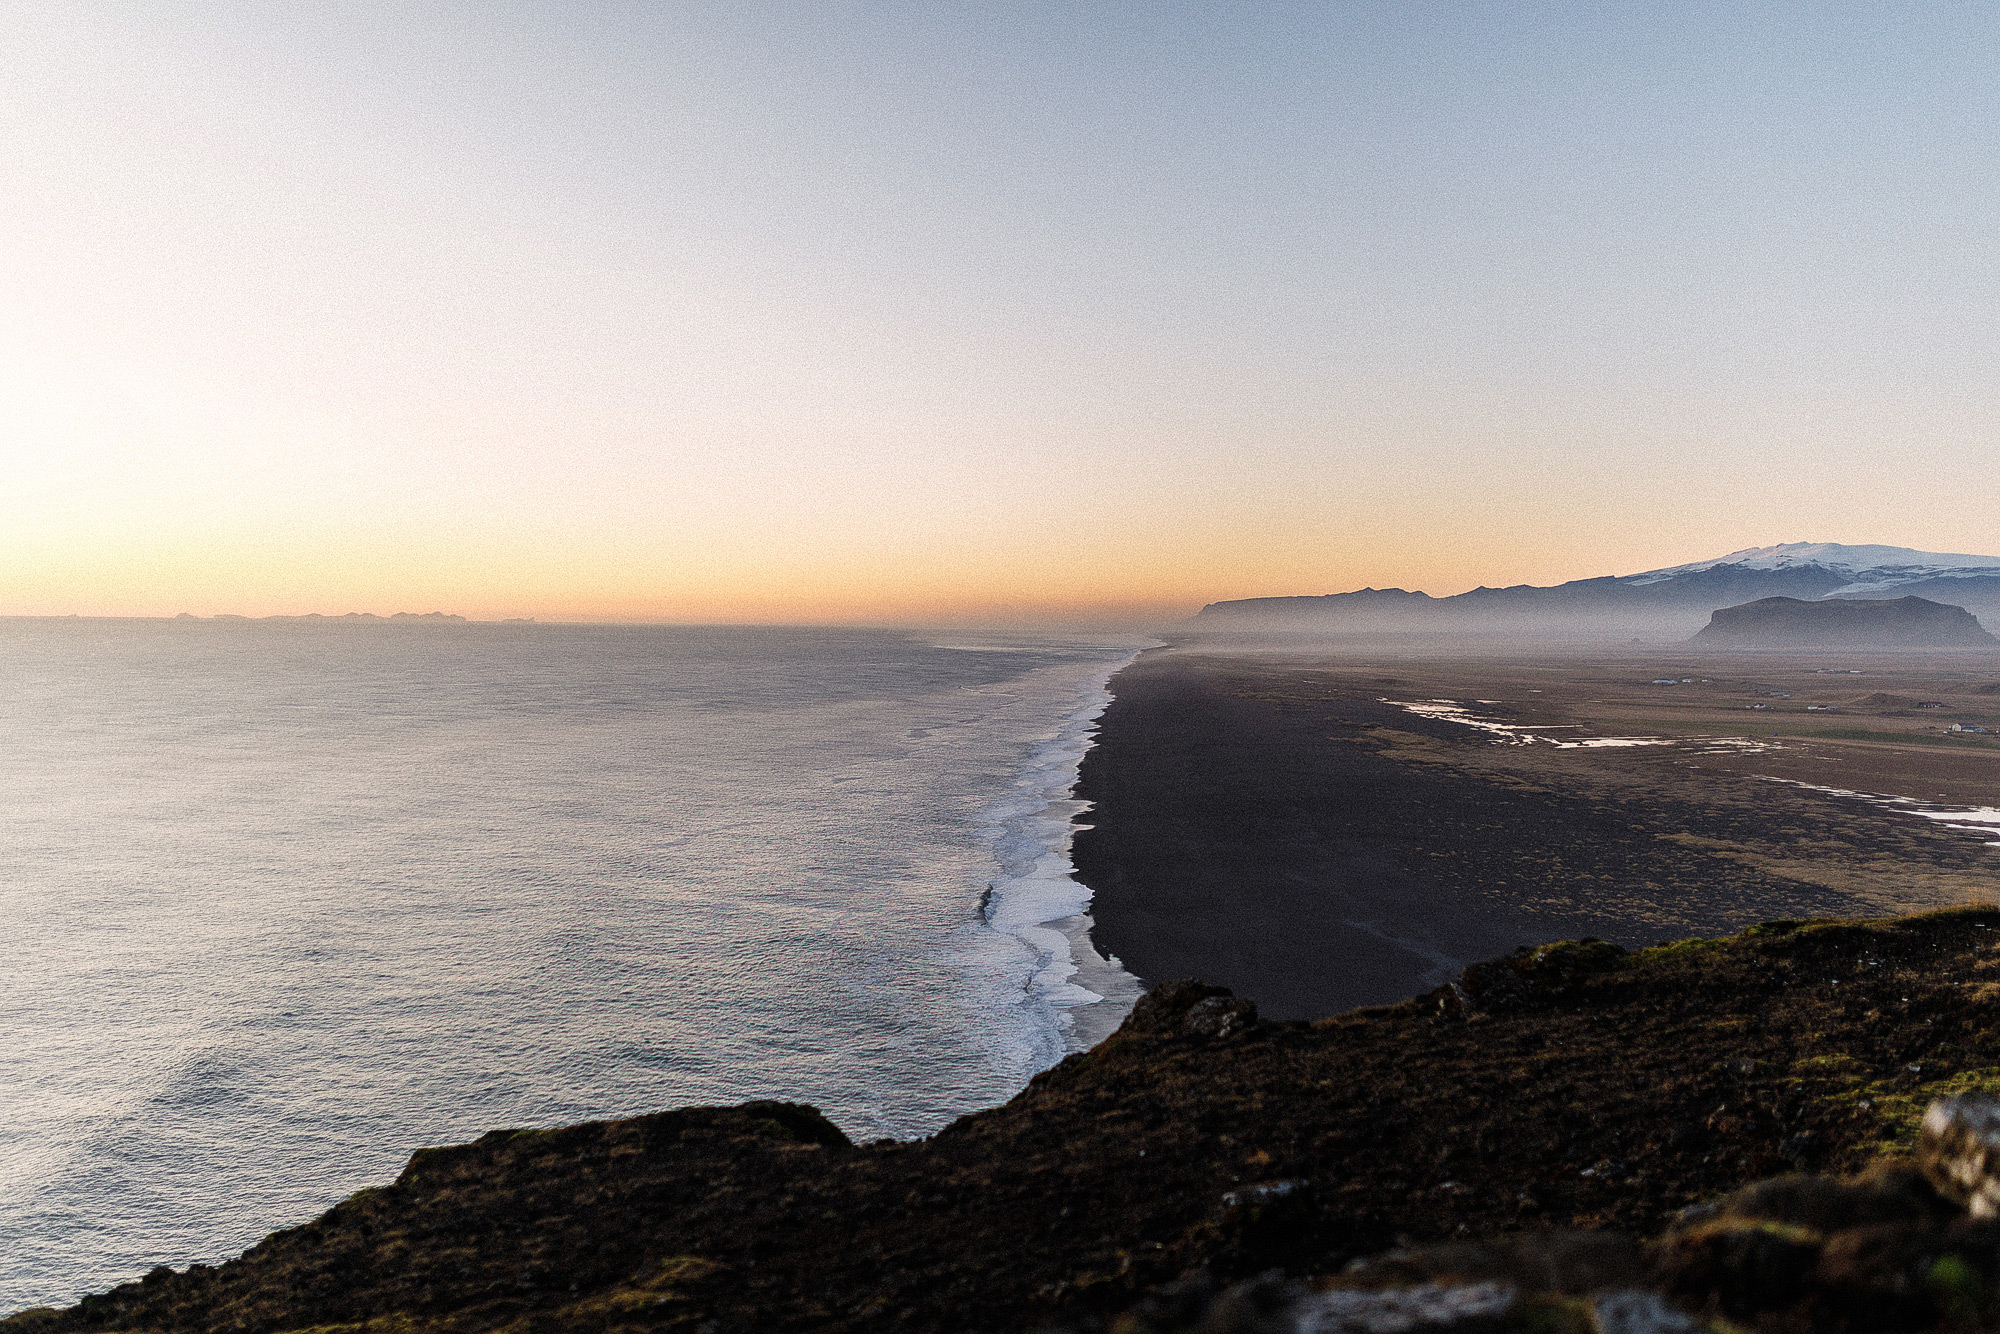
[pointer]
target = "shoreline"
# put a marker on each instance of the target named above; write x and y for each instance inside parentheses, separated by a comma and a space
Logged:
(1043, 905)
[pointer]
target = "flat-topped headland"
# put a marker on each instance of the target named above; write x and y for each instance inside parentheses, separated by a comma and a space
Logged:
(1837, 623)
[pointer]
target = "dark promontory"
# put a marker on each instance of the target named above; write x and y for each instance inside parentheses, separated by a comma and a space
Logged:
(1576, 1086)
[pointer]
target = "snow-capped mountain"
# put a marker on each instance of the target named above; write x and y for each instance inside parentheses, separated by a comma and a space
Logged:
(1869, 569)
(1673, 601)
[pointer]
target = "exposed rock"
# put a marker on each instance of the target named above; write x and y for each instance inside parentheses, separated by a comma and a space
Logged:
(1191, 1009)
(1636, 1311)
(1427, 1306)
(1266, 1200)
(1219, 1017)
(1958, 1147)
(1879, 1251)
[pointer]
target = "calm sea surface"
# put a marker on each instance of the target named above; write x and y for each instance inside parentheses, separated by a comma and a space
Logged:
(284, 902)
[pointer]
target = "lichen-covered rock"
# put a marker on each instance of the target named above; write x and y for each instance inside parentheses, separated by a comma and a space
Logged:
(1569, 1282)
(1637, 1311)
(1958, 1147)
(1881, 1251)
(1219, 1017)
(1190, 1009)
(1428, 1306)
(1274, 1305)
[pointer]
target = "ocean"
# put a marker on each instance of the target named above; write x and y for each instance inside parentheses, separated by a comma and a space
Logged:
(285, 901)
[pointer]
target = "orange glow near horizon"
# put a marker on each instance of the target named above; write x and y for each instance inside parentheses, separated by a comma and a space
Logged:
(1133, 577)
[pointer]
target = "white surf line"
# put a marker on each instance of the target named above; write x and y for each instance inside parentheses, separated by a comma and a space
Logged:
(1962, 819)
(1452, 711)
(1084, 993)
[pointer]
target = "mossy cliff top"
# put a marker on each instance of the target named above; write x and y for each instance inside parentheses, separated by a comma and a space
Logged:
(1572, 1086)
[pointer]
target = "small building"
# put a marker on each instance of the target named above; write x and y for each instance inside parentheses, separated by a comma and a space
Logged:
(1967, 728)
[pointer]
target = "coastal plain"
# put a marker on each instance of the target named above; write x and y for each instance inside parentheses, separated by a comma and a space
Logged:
(1319, 830)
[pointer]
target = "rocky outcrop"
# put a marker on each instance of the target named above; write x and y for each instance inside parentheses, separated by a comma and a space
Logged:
(1596, 1115)
(1544, 974)
(1959, 1147)
(1844, 623)
(1897, 1247)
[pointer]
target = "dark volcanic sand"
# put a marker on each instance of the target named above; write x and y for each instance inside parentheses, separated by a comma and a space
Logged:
(1253, 829)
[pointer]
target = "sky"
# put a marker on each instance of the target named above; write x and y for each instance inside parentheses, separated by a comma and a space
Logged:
(867, 312)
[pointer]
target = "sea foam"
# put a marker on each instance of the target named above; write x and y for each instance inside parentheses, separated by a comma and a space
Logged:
(1075, 994)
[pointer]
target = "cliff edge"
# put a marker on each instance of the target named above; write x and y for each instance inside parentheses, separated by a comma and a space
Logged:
(1136, 1186)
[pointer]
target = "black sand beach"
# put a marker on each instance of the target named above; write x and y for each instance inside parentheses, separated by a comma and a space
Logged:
(1269, 824)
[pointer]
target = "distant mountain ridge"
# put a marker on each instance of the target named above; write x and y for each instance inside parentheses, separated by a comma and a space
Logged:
(1870, 568)
(1673, 601)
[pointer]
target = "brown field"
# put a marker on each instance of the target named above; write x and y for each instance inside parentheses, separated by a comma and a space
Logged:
(1855, 723)
(1852, 723)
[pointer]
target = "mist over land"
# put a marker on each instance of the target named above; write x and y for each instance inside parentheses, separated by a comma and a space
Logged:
(1661, 605)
